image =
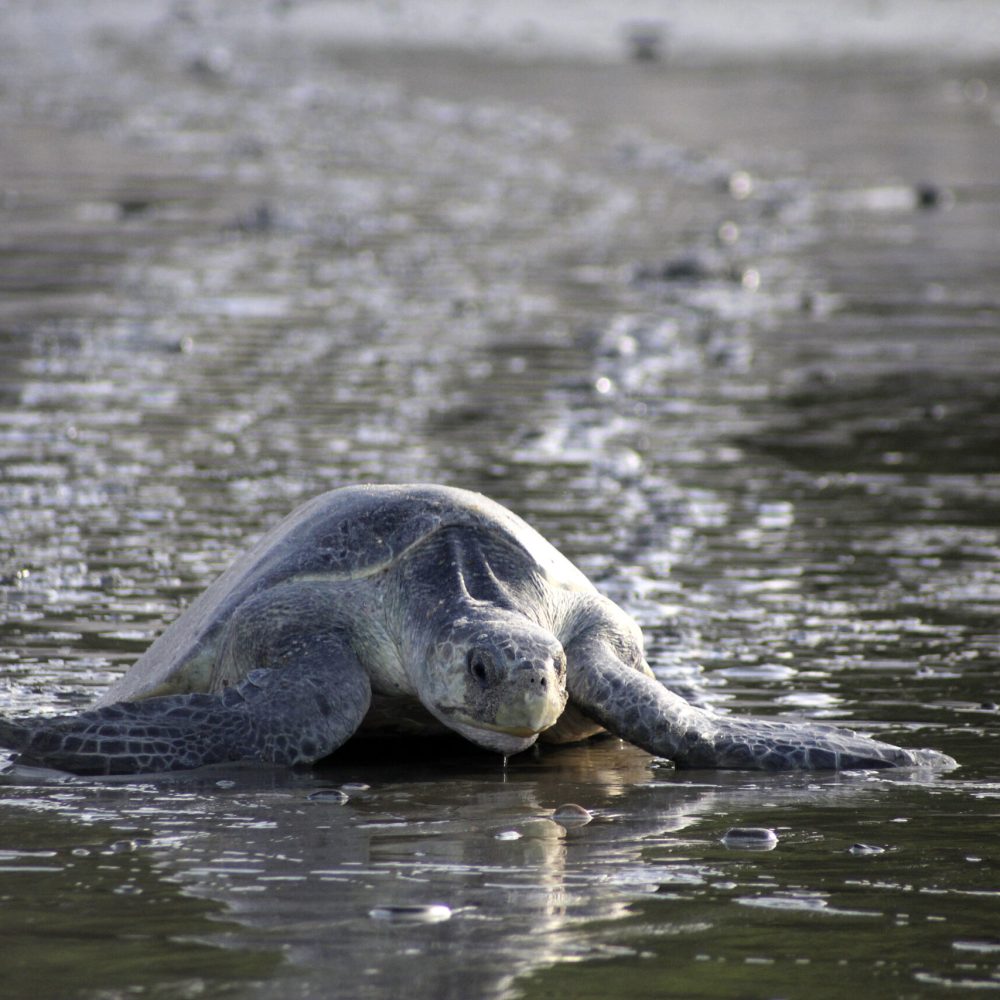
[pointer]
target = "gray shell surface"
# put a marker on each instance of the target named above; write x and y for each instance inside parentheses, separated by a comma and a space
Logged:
(345, 534)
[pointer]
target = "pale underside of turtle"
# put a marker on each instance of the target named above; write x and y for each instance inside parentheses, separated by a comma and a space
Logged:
(408, 610)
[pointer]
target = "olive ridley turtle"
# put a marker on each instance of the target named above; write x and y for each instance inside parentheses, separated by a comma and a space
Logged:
(408, 609)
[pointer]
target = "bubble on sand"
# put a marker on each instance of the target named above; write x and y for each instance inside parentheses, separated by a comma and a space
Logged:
(411, 913)
(750, 838)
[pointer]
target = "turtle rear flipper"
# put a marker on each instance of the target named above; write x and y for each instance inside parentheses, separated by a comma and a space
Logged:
(274, 716)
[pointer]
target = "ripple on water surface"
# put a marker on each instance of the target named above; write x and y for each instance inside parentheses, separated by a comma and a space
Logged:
(752, 396)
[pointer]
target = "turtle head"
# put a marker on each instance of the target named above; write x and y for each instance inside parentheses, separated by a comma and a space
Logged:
(497, 678)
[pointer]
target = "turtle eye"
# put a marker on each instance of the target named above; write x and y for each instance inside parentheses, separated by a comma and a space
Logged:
(480, 665)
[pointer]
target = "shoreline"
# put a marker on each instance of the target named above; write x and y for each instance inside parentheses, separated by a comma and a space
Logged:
(685, 32)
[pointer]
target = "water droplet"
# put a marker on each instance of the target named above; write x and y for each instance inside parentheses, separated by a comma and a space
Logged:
(329, 795)
(417, 913)
(729, 233)
(863, 849)
(570, 814)
(740, 185)
(750, 838)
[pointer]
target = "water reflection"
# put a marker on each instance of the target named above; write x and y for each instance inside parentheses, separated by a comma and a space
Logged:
(86, 911)
(731, 363)
(302, 872)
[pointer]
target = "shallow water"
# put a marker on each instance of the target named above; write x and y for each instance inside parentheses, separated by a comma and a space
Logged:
(699, 325)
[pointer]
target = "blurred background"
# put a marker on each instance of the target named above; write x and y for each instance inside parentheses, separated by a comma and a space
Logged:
(708, 292)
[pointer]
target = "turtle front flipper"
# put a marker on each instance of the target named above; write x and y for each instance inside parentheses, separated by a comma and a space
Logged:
(288, 715)
(745, 743)
(640, 710)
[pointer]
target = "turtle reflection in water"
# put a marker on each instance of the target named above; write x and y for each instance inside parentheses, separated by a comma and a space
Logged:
(408, 609)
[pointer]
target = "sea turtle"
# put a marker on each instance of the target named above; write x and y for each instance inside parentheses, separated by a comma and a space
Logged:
(407, 609)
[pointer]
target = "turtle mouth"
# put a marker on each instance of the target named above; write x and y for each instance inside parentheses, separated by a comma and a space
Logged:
(524, 732)
(504, 740)
(507, 740)
(522, 718)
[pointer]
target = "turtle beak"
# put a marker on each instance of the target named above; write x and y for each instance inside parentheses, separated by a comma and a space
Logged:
(529, 713)
(502, 741)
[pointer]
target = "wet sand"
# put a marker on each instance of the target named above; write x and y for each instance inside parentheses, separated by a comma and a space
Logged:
(724, 329)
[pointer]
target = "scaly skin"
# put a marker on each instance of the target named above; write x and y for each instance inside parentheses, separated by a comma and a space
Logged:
(640, 710)
(440, 602)
(248, 722)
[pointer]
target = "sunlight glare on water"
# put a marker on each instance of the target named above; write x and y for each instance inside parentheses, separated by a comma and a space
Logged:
(737, 358)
